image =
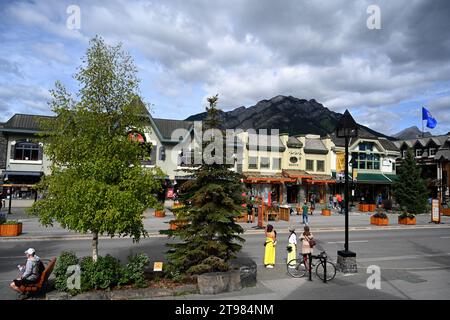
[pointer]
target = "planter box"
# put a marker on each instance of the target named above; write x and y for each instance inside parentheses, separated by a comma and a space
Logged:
(218, 282)
(242, 218)
(407, 220)
(160, 213)
(10, 230)
(371, 207)
(379, 221)
(363, 207)
(176, 224)
(445, 211)
(326, 212)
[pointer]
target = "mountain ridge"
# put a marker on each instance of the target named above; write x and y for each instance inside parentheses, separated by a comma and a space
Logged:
(287, 113)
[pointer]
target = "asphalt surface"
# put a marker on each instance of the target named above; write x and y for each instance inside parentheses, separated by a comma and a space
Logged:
(414, 262)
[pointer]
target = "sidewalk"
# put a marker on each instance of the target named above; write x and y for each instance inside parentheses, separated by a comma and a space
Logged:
(32, 229)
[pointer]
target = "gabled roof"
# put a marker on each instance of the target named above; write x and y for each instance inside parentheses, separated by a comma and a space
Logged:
(167, 126)
(265, 142)
(315, 146)
(423, 142)
(293, 142)
(23, 122)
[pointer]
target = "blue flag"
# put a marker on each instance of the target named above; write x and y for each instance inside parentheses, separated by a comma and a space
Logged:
(426, 115)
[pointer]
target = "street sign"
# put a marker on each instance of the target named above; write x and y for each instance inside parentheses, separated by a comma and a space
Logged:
(157, 266)
(435, 214)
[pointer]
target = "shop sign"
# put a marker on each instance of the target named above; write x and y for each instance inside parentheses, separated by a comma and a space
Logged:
(435, 214)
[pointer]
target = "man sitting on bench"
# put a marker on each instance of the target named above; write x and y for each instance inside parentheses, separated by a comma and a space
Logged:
(30, 272)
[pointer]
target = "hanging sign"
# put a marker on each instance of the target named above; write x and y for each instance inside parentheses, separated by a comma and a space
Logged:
(435, 214)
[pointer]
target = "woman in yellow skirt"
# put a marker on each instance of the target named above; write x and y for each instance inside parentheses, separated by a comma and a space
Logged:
(271, 241)
(292, 246)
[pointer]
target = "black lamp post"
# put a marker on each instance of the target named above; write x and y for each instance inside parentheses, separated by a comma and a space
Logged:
(346, 128)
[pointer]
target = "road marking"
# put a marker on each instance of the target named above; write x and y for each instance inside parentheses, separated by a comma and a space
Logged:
(445, 237)
(354, 241)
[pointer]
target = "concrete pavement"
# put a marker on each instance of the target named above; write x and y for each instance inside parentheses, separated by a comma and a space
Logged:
(415, 264)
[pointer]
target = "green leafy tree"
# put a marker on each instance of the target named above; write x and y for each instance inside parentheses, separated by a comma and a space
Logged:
(212, 201)
(410, 190)
(97, 184)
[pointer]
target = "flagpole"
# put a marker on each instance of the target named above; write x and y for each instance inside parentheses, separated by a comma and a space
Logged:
(422, 128)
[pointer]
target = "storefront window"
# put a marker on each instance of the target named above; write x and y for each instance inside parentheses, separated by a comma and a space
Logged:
(253, 162)
(276, 163)
(310, 165)
(365, 161)
(265, 162)
(26, 151)
(320, 165)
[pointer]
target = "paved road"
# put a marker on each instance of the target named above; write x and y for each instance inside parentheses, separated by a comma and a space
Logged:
(415, 263)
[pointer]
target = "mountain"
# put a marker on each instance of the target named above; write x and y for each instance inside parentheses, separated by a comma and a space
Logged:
(411, 133)
(286, 113)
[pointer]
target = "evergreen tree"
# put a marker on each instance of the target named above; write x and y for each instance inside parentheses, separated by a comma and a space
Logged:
(212, 201)
(410, 190)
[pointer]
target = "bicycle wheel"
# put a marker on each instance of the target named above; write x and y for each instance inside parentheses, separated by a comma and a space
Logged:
(296, 268)
(331, 271)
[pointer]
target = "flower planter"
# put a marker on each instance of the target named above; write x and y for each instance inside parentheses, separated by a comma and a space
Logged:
(10, 230)
(371, 207)
(160, 213)
(379, 221)
(175, 225)
(326, 212)
(363, 207)
(407, 220)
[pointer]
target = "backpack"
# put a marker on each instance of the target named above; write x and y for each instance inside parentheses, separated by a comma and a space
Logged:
(41, 267)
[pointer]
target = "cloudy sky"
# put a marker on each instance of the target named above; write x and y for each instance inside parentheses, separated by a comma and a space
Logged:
(245, 50)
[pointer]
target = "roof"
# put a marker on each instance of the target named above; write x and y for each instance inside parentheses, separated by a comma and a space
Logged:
(442, 154)
(293, 142)
(375, 178)
(315, 146)
(296, 174)
(167, 126)
(255, 177)
(438, 140)
(364, 134)
(265, 142)
(27, 122)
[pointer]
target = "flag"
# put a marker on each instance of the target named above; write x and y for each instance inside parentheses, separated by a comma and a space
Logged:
(426, 115)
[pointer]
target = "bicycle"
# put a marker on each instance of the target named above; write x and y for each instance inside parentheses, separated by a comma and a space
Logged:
(297, 269)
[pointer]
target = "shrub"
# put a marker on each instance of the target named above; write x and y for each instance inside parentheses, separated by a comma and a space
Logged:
(2, 218)
(105, 273)
(210, 264)
(65, 259)
(133, 272)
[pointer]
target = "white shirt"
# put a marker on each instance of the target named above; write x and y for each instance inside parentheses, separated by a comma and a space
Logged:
(293, 239)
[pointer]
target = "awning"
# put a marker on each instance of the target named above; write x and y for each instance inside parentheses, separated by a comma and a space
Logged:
(320, 179)
(250, 177)
(375, 178)
(23, 173)
(296, 174)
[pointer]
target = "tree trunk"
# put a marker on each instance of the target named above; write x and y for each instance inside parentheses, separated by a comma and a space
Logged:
(95, 246)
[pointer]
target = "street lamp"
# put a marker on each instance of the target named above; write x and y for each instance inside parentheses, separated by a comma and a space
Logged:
(346, 128)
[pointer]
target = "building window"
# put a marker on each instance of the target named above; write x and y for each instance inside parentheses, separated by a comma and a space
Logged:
(265, 162)
(393, 167)
(253, 162)
(432, 152)
(419, 152)
(310, 165)
(367, 161)
(404, 153)
(366, 146)
(320, 165)
(26, 151)
(276, 163)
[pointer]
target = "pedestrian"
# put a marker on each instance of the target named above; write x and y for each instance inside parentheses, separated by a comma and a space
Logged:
(342, 206)
(339, 200)
(334, 202)
(292, 246)
(330, 200)
(249, 212)
(312, 206)
(379, 200)
(28, 273)
(269, 252)
(307, 244)
(305, 210)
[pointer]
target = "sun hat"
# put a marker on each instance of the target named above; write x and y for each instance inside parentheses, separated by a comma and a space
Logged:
(30, 251)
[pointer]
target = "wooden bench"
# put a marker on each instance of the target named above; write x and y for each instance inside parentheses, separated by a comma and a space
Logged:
(41, 283)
